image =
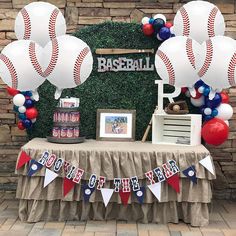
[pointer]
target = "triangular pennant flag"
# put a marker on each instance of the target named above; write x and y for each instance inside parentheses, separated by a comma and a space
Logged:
(68, 184)
(190, 172)
(106, 195)
(23, 159)
(207, 163)
(156, 190)
(124, 197)
(49, 177)
(173, 181)
(87, 191)
(140, 194)
(34, 167)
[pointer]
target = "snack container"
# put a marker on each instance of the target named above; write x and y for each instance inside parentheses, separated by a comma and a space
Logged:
(55, 117)
(63, 132)
(70, 132)
(66, 117)
(74, 116)
(76, 132)
(62, 116)
(56, 132)
(58, 116)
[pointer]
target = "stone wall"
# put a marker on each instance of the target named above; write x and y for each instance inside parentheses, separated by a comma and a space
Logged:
(79, 13)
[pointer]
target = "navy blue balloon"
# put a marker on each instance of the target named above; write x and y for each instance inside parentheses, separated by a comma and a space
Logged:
(151, 20)
(26, 93)
(164, 33)
(214, 112)
(22, 116)
(172, 35)
(199, 83)
(15, 108)
(201, 109)
(209, 117)
(206, 91)
(215, 102)
(29, 103)
(158, 24)
(27, 123)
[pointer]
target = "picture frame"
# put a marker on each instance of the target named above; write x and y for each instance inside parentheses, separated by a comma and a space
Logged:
(115, 125)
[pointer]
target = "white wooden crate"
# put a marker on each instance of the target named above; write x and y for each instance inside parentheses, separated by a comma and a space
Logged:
(167, 129)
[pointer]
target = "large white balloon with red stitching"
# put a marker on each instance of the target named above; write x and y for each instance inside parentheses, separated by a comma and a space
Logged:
(217, 62)
(199, 20)
(175, 61)
(40, 22)
(67, 62)
(20, 65)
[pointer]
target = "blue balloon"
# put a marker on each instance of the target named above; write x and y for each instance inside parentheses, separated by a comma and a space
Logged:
(215, 102)
(209, 117)
(151, 20)
(164, 33)
(206, 91)
(198, 84)
(172, 35)
(214, 112)
(26, 93)
(27, 123)
(15, 108)
(158, 24)
(201, 109)
(22, 116)
(29, 103)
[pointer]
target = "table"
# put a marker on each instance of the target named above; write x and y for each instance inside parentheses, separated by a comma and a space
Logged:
(115, 159)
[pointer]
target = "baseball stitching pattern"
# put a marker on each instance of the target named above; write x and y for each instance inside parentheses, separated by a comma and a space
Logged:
(27, 24)
(208, 59)
(78, 64)
(168, 65)
(52, 24)
(231, 70)
(186, 23)
(11, 69)
(54, 58)
(189, 51)
(33, 59)
(211, 21)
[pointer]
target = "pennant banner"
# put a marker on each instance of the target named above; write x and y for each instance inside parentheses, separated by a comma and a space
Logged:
(156, 190)
(34, 167)
(87, 191)
(190, 173)
(173, 181)
(23, 159)
(68, 184)
(124, 197)
(207, 163)
(49, 177)
(140, 194)
(106, 195)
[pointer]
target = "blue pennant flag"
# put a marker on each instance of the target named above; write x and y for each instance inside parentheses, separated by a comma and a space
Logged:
(87, 192)
(34, 167)
(190, 172)
(140, 194)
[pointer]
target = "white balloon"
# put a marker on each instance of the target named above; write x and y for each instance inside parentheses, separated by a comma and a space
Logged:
(20, 65)
(216, 64)
(145, 20)
(159, 38)
(226, 122)
(40, 22)
(199, 20)
(198, 102)
(33, 120)
(175, 61)
(68, 62)
(19, 100)
(161, 16)
(22, 109)
(201, 89)
(207, 111)
(225, 111)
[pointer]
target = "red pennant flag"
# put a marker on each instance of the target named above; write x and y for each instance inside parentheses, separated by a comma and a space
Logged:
(173, 181)
(68, 184)
(23, 159)
(124, 197)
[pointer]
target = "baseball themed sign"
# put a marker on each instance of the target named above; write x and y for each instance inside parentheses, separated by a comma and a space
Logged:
(175, 61)
(40, 22)
(199, 20)
(67, 63)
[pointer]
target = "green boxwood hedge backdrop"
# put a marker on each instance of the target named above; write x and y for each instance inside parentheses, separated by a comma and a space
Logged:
(109, 90)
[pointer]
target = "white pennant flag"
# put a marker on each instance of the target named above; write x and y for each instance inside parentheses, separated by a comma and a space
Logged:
(207, 163)
(49, 177)
(156, 190)
(106, 195)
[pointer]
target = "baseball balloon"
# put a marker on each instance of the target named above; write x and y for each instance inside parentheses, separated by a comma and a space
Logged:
(176, 72)
(40, 22)
(20, 65)
(68, 62)
(199, 20)
(225, 111)
(217, 62)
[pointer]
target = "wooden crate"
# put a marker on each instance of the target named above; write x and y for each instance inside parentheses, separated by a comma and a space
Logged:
(167, 129)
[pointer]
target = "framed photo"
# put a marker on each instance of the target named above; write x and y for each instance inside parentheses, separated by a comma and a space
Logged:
(115, 125)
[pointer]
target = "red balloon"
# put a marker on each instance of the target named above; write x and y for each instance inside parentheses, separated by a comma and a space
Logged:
(31, 113)
(148, 29)
(184, 90)
(224, 97)
(12, 91)
(215, 131)
(168, 24)
(198, 95)
(20, 125)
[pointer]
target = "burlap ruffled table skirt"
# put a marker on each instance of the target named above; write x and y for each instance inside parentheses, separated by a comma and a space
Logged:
(115, 159)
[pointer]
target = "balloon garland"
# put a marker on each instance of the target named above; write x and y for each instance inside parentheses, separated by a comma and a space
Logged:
(24, 106)
(157, 27)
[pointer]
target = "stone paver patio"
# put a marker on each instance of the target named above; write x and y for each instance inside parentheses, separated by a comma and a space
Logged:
(222, 223)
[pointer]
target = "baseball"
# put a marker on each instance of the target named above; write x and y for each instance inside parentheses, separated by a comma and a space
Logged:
(217, 62)
(176, 108)
(199, 20)
(20, 65)
(175, 61)
(67, 61)
(40, 22)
